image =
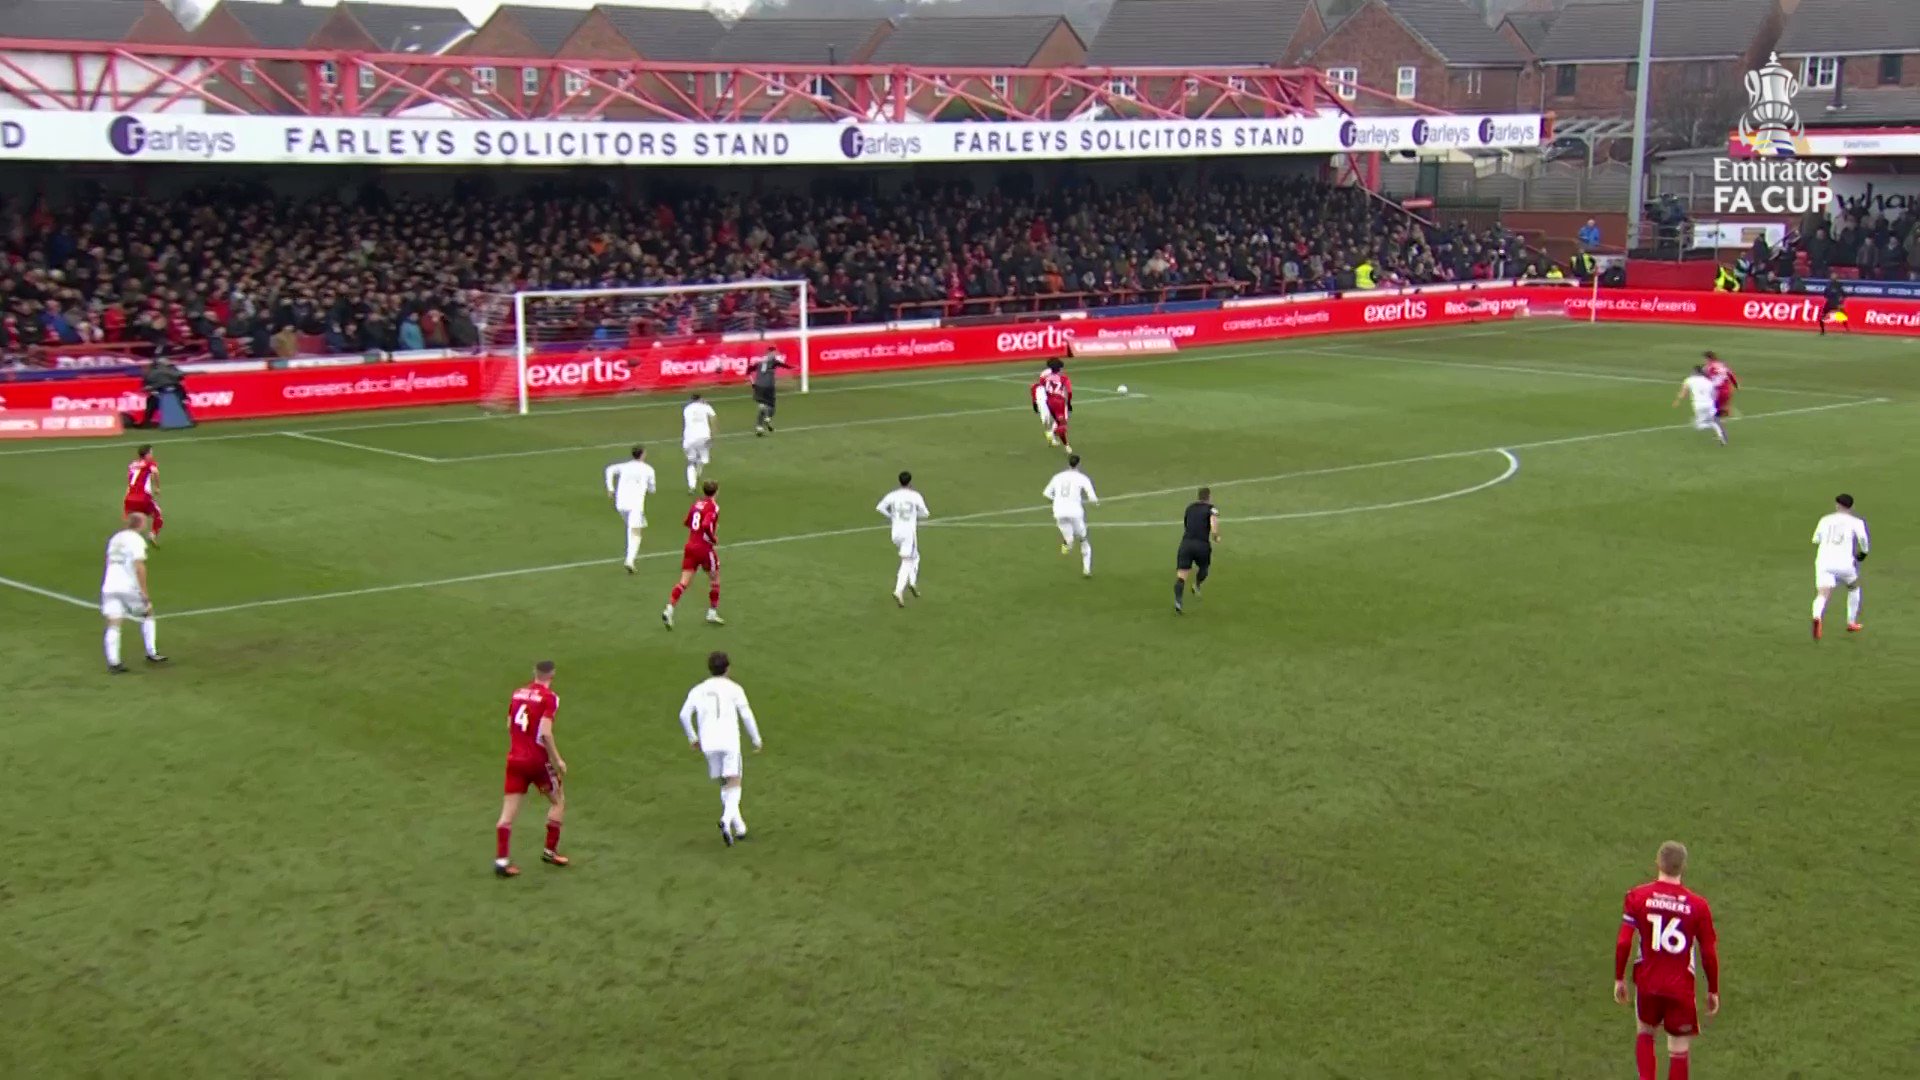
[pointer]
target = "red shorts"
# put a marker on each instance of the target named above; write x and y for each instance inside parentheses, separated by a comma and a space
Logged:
(700, 557)
(1057, 408)
(1678, 1015)
(142, 505)
(523, 774)
(1722, 400)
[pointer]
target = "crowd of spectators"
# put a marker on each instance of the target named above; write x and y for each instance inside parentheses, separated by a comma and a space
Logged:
(240, 271)
(1879, 248)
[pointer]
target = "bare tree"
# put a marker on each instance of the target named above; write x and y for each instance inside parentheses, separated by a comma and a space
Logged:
(1697, 117)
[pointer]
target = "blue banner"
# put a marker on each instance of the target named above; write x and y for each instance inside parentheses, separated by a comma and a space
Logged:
(1896, 290)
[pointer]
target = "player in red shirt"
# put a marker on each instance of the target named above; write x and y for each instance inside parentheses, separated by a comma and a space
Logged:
(1059, 393)
(1724, 383)
(701, 553)
(533, 760)
(1669, 921)
(141, 473)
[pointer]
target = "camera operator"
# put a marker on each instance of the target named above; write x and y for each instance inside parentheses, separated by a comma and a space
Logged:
(161, 378)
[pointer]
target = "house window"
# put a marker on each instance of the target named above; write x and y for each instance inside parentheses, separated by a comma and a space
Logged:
(529, 80)
(367, 79)
(722, 85)
(1124, 87)
(573, 83)
(776, 85)
(329, 73)
(1474, 77)
(1236, 83)
(1820, 72)
(1699, 78)
(1193, 87)
(941, 82)
(1346, 81)
(1633, 77)
(1890, 69)
(248, 76)
(1406, 82)
(820, 86)
(484, 78)
(1566, 80)
(999, 84)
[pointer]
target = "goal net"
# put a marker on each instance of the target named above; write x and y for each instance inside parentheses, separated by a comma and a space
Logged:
(543, 344)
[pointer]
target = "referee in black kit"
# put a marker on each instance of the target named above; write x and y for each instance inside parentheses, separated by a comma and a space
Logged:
(1201, 532)
(763, 373)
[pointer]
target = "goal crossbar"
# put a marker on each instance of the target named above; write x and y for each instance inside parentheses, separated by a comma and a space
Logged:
(800, 333)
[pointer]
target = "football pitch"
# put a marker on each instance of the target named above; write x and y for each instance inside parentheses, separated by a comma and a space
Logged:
(1488, 622)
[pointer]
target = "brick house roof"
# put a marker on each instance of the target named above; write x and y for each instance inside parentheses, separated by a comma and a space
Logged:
(408, 28)
(1852, 27)
(74, 20)
(277, 25)
(798, 41)
(546, 27)
(666, 33)
(1456, 32)
(1197, 33)
(1603, 30)
(968, 41)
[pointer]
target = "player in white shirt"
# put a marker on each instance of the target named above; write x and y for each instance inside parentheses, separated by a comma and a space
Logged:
(905, 508)
(1706, 409)
(628, 485)
(1842, 544)
(1070, 491)
(720, 706)
(124, 595)
(696, 438)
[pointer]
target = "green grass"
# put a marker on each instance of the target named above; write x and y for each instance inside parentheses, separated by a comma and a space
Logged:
(1367, 811)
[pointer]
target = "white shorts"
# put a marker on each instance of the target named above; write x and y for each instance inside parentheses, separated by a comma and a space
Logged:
(121, 605)
(722, 764)
(636, 519)
(1824, 578)
(908, 544)
(1074, 527)
(1705, 416)
(696, 450)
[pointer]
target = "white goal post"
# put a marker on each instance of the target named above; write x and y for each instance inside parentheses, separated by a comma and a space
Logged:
(576, 342)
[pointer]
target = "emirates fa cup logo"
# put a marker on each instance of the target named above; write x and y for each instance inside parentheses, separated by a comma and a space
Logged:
(1770, 127)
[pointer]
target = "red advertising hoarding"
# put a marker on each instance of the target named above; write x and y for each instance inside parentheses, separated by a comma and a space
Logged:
(218, 395)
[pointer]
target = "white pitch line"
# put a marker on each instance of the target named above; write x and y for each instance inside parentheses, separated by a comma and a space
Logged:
(1512, 470)
(836, 426)
(824, 534)
(309, 436)
(48, 593)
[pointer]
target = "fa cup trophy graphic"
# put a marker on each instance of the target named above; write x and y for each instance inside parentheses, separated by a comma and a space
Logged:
(1770, 126)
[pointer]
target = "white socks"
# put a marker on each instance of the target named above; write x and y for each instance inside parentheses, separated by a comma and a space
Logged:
(913, 570)
(1819, 606)
(730, 809)
(903, 577)
(113, 645)
(1086, 557)
(693, 477)
(633, 545)
(1853, 605)
(150, 634)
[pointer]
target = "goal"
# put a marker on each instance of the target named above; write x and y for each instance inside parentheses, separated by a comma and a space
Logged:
(542, 344)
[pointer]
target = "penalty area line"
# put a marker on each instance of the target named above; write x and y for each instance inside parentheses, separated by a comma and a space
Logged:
(48, 593)
(308, 436)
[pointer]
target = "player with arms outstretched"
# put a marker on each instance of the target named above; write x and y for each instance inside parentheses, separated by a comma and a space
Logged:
(1071, 490)
(696, 438)
(1724, 381)
(1706, 415)
(1670, 922)
(906, 509)
(1058, 389)
(1842, 543)
(628, 485)
(141, 497)
(701, 553)
(533, 760)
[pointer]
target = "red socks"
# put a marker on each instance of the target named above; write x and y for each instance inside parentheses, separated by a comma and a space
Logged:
(678, 592)
(1676, 1067)
(1643, 1056)
(553, 836)
(500, 836)
(713, 597)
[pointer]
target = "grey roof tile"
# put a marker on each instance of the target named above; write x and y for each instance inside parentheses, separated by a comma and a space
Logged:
(1456, 32)
(73, 20)
(548, 27)
(276, 25)
(1604, 30)
(666, 33)
(410, 28)
(1532, 26)
(795, 41)
(964, 41)
(1830, 27)
(1869, 105)
(1200, 33)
